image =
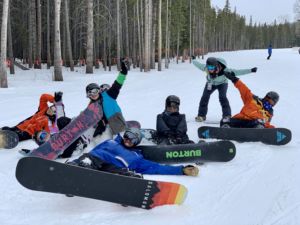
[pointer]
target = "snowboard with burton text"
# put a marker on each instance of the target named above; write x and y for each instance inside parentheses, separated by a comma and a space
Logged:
(218, 151)
(50, 176)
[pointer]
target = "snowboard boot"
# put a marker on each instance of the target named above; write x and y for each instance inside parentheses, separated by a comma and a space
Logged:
(200, 118)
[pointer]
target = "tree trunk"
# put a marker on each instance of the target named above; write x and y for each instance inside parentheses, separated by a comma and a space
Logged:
(166, 38)
(147, 36)
(68, 36)
(10, 47)
(159, 36)
(57, 45)
(3, 72)
(90, 37)
(48, 36)
(37, 63)
(118, 36)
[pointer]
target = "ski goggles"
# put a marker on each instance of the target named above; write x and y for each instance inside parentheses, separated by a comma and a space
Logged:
(92, 93)
(210, 67)
(267, 105)
(131, 137)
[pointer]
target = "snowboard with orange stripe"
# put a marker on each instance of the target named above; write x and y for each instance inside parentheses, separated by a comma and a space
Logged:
(40, 174)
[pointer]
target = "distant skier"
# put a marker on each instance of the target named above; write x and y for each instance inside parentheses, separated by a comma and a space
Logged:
(45, 119)
(256, 112)
(121, 156)
(171, 126)
(269, 51)
(215, 69)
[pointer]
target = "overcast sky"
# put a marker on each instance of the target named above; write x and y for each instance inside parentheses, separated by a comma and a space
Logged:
(261, 10)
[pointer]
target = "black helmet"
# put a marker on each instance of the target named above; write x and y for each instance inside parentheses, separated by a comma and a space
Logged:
(212, 61)
(172, 99)
(104, 87)
(91, 86)
(134, 135)
(274, 96)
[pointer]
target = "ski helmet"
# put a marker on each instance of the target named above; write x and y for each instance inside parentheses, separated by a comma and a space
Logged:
(104, 87)
(274, 96)
(134, 135)
(91, 86)
(211, 61)
(172, 99)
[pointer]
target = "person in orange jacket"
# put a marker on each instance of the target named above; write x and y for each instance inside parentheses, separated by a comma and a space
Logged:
(256, 112)
(43, 120)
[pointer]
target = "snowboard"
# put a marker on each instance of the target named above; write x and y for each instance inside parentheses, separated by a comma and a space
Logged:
(65, 137)
(271, 136)
(218, 151)
(8, 139)
(40, 174)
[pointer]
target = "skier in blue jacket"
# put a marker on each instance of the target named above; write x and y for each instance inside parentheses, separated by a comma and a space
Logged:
(120, 154)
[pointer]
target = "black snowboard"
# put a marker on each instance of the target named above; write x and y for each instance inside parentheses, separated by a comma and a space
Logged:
(219, 151)
(8, 139)
(49, 176)
(272, 136)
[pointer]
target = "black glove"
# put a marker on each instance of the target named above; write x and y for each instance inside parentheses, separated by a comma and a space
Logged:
(124, 66)
(254, 69)
(193, 57)
(231, 76)
(101, 126)
(58, 96)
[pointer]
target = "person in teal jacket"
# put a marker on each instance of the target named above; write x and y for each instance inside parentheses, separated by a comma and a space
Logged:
(215, 68)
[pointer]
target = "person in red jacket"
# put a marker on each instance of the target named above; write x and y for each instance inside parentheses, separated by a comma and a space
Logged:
(43, 120)
(256, 112)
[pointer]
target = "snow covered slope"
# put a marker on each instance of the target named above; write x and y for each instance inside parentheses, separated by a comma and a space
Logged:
(259, 187)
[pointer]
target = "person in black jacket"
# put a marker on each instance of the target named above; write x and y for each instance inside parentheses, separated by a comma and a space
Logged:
(171, 125)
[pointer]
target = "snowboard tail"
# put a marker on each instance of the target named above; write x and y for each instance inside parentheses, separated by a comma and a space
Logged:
(8, 139)
(272, 136)
(219, 151)
(49, 176)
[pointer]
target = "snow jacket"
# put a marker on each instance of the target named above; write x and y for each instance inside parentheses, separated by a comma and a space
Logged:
(270, 50)
(220, 79)
(114, 152)
(39, 121)
(253, 106)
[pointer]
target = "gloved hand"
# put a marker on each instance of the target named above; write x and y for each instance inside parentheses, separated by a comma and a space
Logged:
(124, 66)
(231, 76)
(100, 128)
(58, 96)
(193, 57)
(254, 69)
(190, 170)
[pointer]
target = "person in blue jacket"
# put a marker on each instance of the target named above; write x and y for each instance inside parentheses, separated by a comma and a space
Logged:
(120, 154)
(269, 51)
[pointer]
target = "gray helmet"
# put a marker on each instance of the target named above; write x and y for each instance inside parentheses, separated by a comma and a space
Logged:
(212, 61)
(172, 98)
(134, 135)
(274, 96)
(91, 86)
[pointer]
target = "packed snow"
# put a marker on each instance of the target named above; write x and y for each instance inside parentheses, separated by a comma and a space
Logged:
(260, 186)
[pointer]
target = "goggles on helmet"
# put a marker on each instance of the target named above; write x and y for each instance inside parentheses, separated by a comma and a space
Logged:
(131, 137)
(267, 105)
(92, 93)
(211, 67)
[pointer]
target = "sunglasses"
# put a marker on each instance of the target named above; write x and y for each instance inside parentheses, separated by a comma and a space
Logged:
(131, 137)
(92, 92)
(211, 67)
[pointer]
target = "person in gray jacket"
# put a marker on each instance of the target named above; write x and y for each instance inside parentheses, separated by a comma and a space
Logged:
(215, 68)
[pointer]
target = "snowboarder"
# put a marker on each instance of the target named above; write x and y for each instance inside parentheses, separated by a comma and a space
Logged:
(121, 154)
(269, 51)
(215, 69)
(171, 126)
(256, 112)
(44, 119)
